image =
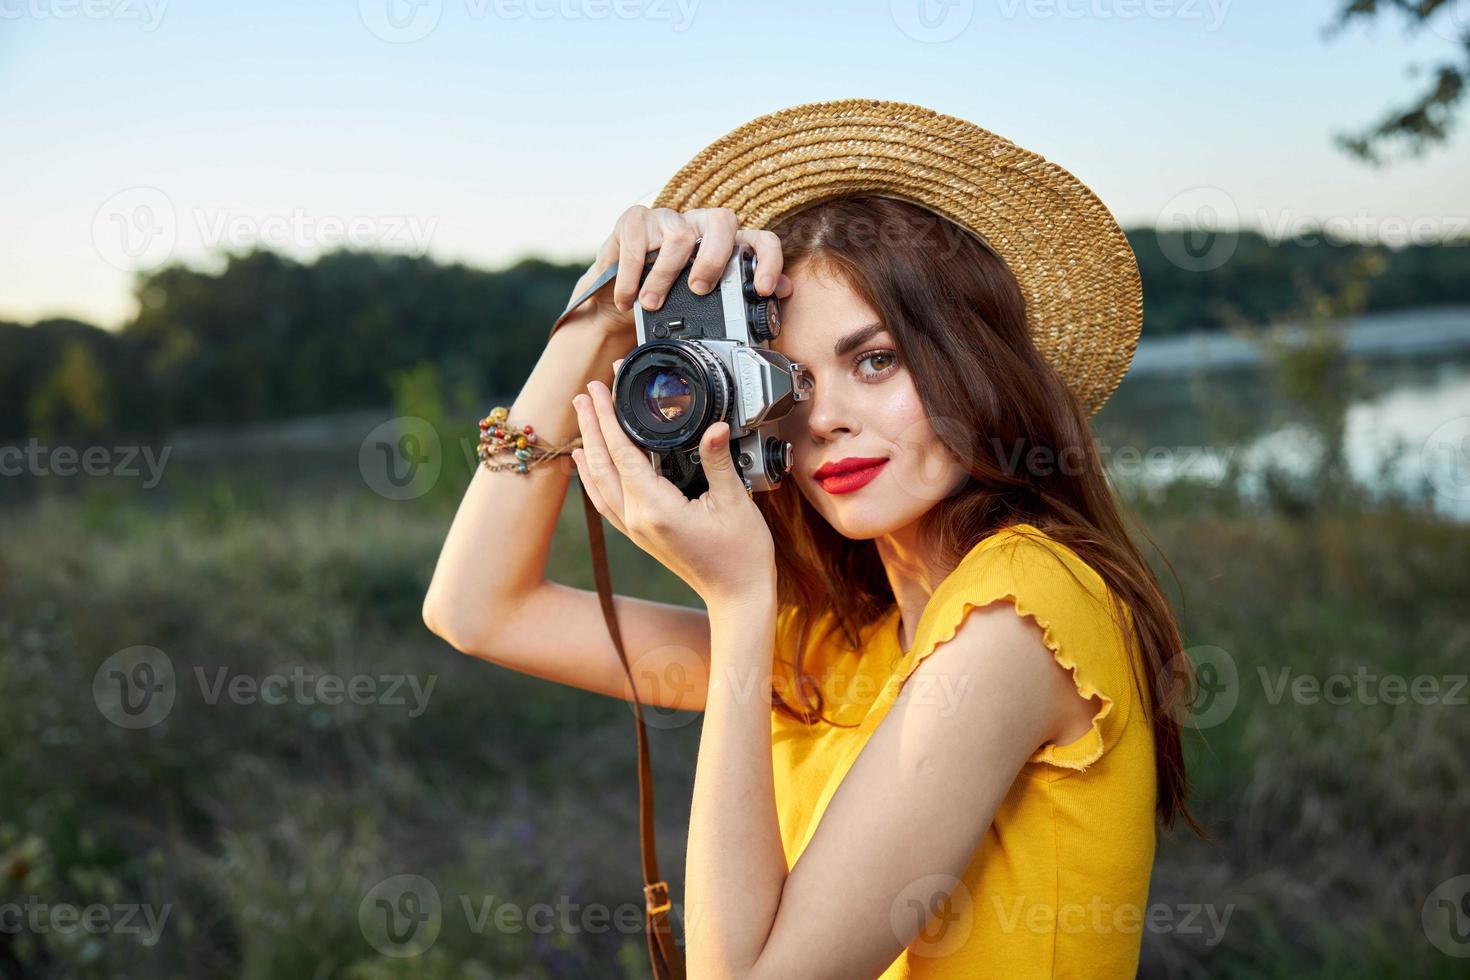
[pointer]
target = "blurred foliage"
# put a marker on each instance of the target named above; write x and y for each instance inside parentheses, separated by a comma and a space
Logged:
(1425, 121)
(268, 337)
(261, 827)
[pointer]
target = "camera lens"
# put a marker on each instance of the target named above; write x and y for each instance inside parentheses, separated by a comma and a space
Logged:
(668, 392)
(668, 395)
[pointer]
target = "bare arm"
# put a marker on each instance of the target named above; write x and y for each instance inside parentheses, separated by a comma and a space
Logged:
(909, 815)
(490, 596)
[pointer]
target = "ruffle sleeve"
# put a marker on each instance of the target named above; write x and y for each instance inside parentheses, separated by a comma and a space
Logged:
(1071, 604)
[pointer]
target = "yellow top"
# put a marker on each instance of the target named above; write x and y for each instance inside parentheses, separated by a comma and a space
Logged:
(1059, 885)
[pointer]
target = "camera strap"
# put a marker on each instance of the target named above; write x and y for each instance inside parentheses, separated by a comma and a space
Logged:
(663, 951)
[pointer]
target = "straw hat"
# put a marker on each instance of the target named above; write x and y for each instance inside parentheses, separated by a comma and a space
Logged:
(1084, 300)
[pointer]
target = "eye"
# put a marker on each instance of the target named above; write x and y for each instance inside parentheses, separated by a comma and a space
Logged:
(884, 361)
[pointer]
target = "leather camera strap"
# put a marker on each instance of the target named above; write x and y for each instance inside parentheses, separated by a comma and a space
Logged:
(663, 950)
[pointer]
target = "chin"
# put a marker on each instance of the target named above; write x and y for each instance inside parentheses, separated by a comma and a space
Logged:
(860, 516)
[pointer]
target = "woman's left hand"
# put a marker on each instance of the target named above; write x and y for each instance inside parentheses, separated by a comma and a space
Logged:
(718, 543)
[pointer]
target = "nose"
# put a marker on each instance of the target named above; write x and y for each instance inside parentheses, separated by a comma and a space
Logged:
(825, 415)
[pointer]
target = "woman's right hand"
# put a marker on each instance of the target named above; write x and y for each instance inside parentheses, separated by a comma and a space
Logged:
(641, 230)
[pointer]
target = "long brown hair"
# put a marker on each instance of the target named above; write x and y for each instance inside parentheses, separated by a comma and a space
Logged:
(958, 319)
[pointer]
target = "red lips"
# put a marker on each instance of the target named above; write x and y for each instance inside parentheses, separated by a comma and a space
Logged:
(846, 466)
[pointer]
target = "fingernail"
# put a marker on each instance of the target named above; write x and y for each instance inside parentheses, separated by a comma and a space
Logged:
(648, 299)
(698, 285)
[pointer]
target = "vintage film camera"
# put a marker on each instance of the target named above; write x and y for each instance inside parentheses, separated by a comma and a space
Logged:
(702, 359)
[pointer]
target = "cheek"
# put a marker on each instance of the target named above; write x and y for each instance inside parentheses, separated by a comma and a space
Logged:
(899, 416)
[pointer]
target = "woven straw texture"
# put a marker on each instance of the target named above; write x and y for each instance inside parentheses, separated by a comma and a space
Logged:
(1084, 300)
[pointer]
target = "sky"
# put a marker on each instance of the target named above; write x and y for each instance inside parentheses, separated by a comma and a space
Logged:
(137, 132)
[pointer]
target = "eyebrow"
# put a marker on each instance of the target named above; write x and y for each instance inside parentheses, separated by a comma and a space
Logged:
(855, 339)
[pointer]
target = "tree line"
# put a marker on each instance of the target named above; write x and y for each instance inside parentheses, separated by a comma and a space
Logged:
(269, 337)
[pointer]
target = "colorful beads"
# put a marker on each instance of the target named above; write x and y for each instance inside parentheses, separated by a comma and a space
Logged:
(498, 436)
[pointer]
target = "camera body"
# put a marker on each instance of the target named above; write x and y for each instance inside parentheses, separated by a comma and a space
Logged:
(704, 359)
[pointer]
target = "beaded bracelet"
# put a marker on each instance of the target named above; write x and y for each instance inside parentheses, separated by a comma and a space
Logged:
(498, 436)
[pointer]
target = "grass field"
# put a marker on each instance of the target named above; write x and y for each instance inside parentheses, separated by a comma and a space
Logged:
(254, 833)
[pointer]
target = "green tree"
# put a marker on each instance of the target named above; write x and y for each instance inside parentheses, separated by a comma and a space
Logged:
(1425, 121)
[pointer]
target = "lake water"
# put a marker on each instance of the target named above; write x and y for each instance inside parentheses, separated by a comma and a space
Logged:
(1189, 404)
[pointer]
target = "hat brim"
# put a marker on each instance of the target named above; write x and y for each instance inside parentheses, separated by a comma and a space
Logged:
(1076, 270)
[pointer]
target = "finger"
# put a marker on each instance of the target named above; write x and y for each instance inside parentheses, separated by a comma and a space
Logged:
(677, 238)
(599, 502)
(725, 483)
(598, 465)
(768, 257)
(717, 227)
(784, 287)
(632, 239)
(633, 466)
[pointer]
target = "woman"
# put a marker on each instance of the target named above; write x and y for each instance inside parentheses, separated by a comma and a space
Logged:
(932, 664)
